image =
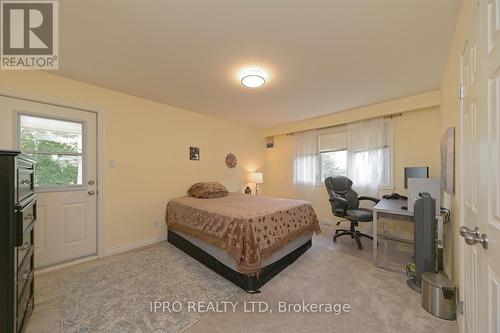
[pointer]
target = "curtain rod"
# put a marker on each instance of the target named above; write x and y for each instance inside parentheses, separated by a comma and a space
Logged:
(343, 124)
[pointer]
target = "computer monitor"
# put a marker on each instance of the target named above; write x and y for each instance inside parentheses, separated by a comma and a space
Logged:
(415, 172)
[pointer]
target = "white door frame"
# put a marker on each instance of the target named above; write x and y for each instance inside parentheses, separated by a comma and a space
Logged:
(100, 237)
(458, 175)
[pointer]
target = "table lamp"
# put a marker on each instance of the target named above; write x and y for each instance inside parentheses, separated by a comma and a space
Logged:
(255, 178)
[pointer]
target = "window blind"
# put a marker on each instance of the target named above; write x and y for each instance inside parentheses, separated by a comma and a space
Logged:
(332, 141)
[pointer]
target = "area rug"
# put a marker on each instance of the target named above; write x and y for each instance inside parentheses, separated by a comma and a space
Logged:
(118, 296)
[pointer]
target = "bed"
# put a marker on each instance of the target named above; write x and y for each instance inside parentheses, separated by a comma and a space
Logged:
(246, 239)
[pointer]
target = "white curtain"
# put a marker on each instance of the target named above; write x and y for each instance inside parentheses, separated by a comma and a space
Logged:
(305, 164)
(365, 155)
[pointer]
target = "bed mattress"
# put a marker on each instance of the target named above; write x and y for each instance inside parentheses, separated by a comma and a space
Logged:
(249, 283)
(224, 258)
(251, 230)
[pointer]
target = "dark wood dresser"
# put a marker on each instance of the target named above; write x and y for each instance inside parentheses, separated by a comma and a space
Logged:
(17, 221)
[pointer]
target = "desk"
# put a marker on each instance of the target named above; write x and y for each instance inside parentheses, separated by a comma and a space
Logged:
(391, 209)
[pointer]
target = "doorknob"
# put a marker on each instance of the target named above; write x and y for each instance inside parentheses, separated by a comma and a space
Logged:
(91, 192)
(464, 231)
(472, 237)
(91, 182)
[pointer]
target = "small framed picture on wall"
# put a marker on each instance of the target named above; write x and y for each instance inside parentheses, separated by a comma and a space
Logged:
(194, 153)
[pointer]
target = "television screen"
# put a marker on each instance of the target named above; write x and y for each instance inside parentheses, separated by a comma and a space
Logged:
(415, 172)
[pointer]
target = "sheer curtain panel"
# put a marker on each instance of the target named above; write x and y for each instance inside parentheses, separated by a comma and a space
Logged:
(366, 142)
(305, 164)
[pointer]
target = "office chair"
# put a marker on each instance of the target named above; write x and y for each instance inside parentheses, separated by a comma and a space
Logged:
(345, 204)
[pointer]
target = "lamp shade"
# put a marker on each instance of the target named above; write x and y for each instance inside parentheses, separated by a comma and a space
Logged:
(255, 177)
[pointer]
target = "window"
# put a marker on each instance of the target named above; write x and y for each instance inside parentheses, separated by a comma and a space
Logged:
(57, 146)
(333, 163)
(334, 157)
(333, 153)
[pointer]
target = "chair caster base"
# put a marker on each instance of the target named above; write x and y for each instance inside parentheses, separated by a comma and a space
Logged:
(354, 234)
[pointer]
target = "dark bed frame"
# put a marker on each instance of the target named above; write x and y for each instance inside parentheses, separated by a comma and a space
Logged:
(250, 284)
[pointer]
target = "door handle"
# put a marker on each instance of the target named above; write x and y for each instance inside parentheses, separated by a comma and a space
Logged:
(472, 237)
(91, 192)
(464, 231)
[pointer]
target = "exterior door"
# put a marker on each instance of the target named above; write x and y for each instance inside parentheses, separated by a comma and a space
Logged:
(64, 143)
(480, 247)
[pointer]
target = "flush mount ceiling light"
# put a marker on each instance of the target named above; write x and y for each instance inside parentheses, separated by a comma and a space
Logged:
(253, 78)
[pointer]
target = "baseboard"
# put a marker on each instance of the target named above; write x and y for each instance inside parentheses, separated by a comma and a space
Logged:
(107, 252)
(68, 263)
(134, 245)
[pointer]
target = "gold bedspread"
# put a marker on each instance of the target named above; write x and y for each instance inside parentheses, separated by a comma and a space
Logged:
(248, 228)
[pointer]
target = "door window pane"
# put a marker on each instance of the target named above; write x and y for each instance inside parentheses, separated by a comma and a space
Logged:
(57, 146)
(58, 170)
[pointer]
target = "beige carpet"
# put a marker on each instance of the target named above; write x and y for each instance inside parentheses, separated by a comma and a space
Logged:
(380, 300)
(119, 296)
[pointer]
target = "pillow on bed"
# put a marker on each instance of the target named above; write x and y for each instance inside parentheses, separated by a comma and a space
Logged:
(208, 190)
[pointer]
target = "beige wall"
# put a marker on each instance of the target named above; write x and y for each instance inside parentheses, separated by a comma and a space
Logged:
(404, 104)
(450, 117)
(149, 142)
(416, 143)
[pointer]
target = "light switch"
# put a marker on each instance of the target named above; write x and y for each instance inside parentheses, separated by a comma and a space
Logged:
(112, 164)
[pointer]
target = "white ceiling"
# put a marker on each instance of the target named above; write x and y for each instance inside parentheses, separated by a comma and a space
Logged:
(322, 56)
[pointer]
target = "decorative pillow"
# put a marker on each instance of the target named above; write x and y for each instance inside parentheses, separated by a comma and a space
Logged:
(208, 190)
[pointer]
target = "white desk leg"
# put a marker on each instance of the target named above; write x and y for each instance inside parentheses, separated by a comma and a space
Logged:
(375, 238)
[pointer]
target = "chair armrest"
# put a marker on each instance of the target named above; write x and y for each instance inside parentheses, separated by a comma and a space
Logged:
(339, 200)
(375, 200)
(343, 202)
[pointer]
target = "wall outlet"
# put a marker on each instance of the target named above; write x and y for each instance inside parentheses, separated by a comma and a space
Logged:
(156, 224)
